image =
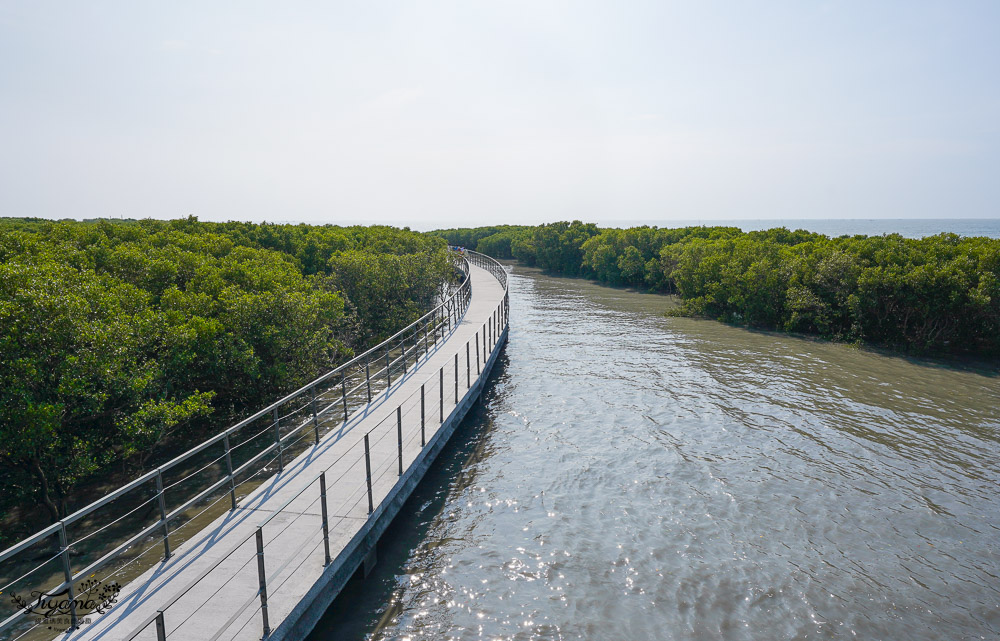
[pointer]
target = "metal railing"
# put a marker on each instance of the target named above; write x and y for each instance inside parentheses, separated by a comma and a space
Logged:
(407, 422)
(484, 262)
(489, 264)
(170, 503)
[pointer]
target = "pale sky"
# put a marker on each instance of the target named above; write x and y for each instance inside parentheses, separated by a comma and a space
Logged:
(433, 114)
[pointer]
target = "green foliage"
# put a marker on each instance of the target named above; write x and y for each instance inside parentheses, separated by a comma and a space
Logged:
(117, 338)
(388, 291)
(933, 295)
(559, 246)
(469, 238)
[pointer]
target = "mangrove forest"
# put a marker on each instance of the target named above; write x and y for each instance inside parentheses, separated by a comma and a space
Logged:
(122, 341)
(933, 295)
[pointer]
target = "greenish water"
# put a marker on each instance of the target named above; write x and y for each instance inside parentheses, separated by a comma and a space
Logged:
(631, 476)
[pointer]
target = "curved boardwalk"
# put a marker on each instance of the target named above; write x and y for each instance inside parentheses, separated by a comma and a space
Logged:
(210, 587)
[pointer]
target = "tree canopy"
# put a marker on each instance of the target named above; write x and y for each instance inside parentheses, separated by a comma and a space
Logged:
(118, 337)
(939, 294)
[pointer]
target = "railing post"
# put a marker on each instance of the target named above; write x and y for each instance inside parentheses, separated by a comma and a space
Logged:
(343, 393)
(368, 474)
(388, 372)
(468, 367)
(402, 353)
(456, 378)
(426, 350)
(368, 380)
(163, 514)
(486, 352)
(399, 435)
(277, 441)
(441, 399)
(262, 579)
(312, 403)
(422, 440)
(161, 627)
(68, 572)
(326, 527)
(229, 470)
(478, 371)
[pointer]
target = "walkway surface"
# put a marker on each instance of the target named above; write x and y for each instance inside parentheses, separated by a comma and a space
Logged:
(225, 603)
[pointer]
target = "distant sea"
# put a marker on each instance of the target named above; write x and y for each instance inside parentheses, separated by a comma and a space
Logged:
(908, 227)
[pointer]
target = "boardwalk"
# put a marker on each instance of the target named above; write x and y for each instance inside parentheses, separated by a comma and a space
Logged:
(211, 587)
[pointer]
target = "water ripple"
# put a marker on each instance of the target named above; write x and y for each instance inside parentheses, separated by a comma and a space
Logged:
(640, 477)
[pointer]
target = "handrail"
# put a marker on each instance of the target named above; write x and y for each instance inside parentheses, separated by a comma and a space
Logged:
(299, 392)
(499, 316)
(489, 264)
(445, 313)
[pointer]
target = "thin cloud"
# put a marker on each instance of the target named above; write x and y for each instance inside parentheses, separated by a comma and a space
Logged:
(397, 99)
(176, 45)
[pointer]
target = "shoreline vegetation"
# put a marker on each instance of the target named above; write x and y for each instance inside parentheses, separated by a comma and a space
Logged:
(122, 342)
(938, 295)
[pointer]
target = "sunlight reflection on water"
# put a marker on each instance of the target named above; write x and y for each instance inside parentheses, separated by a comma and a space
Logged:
(638, 477)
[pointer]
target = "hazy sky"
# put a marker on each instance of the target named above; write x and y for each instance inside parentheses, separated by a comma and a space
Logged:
(467, 113)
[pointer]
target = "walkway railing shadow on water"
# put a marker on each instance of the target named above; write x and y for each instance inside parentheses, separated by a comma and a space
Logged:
(145, 518)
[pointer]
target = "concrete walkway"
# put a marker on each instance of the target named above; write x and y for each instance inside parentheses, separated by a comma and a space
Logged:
(222, 562)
